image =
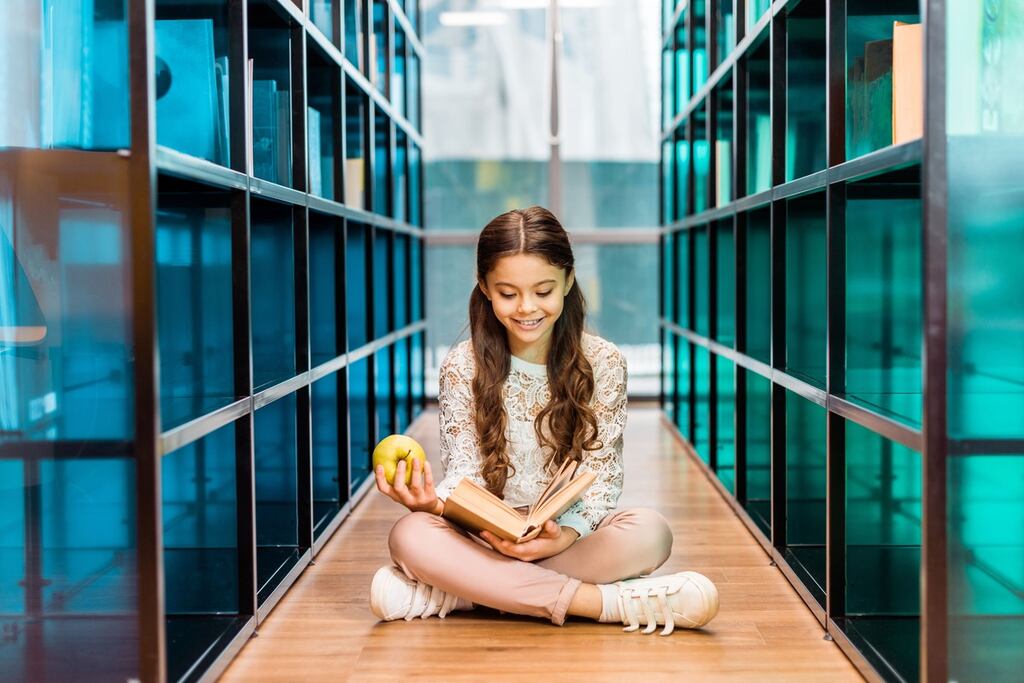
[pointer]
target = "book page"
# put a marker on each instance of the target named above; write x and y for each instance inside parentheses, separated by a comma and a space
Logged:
(561, 478)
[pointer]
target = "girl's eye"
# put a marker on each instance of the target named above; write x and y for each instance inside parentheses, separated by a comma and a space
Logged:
(508, 296)
(544, 293)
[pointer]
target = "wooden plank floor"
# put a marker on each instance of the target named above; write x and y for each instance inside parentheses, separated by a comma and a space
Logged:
(323, 629)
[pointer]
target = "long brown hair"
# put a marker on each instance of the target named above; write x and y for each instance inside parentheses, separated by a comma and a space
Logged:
(570, 423)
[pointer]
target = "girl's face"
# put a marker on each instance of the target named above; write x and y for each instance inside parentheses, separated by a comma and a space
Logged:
(527, 294)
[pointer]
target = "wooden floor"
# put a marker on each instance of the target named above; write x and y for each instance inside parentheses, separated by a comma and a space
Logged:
(323, 629)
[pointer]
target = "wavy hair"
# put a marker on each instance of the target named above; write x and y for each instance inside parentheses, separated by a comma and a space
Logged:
(566, 425)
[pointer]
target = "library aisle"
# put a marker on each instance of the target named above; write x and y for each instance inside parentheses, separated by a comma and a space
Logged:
(323, 628)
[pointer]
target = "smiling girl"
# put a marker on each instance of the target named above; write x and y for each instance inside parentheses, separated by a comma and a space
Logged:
(530, 390)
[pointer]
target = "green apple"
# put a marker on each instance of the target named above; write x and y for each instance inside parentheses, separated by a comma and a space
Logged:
(397, 447)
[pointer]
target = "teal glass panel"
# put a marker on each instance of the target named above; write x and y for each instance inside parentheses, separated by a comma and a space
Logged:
(381, 160)
(702, 404)
(400, 178)
(272, 287)
(401, 386)
(412, 97)
(725, 282)
(382, 281)
(357, 284)
(361, 422)
(806, 294)
(883, 296)
(400, 270)
(321, 12)
(191, 78)
(668, 102)
(379, 45)
(668, 292)
(415, 186)
(417, 371)
(681, 84)
(323, 103)
(12, 536)
(755, 9)
(270, 52)
(329, 449)
(805, 90)
(682, 279)
(724, 143)
(65, 310)
(200, 524)
(415, 279)
(682, 174)
(383, 390)
(356, 165)
(759, 120)
(684, 398)
(354, 29)
(326, 279)
(725, 21)
(194, 295)
(668, 373)
(759, 285)
(986, 567)
(668, 183)
(398, 74)
(805, 491)
(725, 432)
(869, 71)
(701, 65)
(701, 161)
(276, 463)
(701, 281)
(985, 123)
(65, 75)
(759, 449)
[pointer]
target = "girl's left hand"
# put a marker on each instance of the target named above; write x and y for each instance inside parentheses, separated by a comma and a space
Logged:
(551, 541)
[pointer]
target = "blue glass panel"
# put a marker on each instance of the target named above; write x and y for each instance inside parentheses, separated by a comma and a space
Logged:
(381, 154)
(192, 88)
(400, 190)
(417, 373)
(381, 282)
(401, 382)
(401, 280)
(415, 279)
(323, 103)
(325, 278)
(328, 449)
(702, 405)
(684, 397)
(321, 13)
(398, 74)
(194, 294)
(379, 45)
(272, 285)
(361, 422)
(201, 526)
(415, 186)
(725, 407)
(355, 146)
(276, 491)
(383, 388)
(270, 50)
(357, 256)
(354, 51)
(65, 332)
(65, 67)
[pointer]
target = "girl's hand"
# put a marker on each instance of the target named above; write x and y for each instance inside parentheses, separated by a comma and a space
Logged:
(551, 541)
(419, 495)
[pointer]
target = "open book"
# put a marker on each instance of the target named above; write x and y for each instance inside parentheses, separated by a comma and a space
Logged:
(475, 508)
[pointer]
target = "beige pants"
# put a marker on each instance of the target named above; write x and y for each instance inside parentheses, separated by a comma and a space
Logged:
(627, 543)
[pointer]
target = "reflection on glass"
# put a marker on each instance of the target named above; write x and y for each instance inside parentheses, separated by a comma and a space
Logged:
(194, 295)
(361, 422)
(806, 294)
(357, 273)
(805, 90)
(270, 50)
(277, 522)
(725, 437)
(759, 449)
(272, 289)
(329, 448)
(805, 491)
(64, 66)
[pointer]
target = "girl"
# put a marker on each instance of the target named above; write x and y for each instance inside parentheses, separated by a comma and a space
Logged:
(528, 391)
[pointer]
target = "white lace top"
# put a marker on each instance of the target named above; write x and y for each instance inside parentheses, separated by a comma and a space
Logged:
(525, 394)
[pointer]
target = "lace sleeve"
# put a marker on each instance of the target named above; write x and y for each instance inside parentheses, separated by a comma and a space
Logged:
(460, 447)
(609, 406)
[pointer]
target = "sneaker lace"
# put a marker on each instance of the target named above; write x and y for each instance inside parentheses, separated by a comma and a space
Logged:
(644, 597)
(437, 602)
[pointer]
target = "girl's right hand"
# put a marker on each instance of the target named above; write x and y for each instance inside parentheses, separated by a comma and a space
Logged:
(419, 495)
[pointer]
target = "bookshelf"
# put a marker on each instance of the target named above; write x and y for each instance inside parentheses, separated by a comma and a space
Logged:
(211, 308)
(840, 319)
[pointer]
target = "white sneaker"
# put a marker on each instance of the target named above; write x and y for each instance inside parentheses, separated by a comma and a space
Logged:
(686, 599)
(393, 595)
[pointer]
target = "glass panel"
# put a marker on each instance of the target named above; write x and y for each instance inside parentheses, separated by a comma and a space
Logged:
(683, 374)
(682, 279)
(326, 317)
(415, 186)
(682, 173)
(399, 189)
(806, 296)
(755, 10)
(417, 373)
(668, 374)
(398, 74)
(65, 325)
(759, 449)
(725, 436)
(416, 279)
(379, 46)
(701, 160)
(329, 448)
(323, 101)
(412, 98)
(726, 29)
(270, 51)
(401, 386)
(277, 522)
(869, 71)
(361, 422)
(883, 546)
(805, 491)
(759, 121)
(354, 51)
(194, 296)
(668, 100)
(759, 285)
(681, 85)
(701, 281)
(381, 157)
(192, 89)
(65, 74)
(700, 45)
(357, 279)
(382, 323)
(400, 269)
(412, 11)
(805, 90)
(883, 295)
(723, 144)
(321, 13)
(272, 286)
(383, 388)
(356, 166)
(668, 184)
(670, 277)
(702, 404)
(725, 282)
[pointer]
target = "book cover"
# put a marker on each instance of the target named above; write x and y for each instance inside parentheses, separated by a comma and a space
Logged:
(355, 187)
(186, 97)
(907, 82)
(223, 111)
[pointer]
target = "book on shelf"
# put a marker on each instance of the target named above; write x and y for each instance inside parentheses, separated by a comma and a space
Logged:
(869, 86)
(187, 112)
(907, 82)
(313, 142)
(355, 188)
(474, 508)
(223, 121)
